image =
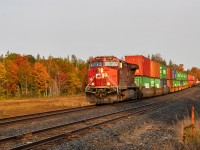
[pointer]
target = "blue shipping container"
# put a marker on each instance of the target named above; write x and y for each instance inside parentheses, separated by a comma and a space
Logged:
(173, 74)
(163, 82)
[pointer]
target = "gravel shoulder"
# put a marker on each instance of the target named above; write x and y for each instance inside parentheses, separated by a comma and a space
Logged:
(161, 129)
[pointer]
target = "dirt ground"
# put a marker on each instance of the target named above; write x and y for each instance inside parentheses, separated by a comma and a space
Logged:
(9, 108)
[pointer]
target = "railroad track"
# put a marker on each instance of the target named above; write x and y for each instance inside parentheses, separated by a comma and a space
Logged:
(44, 115)
(41, 137)
(18, 119)
(38, 116)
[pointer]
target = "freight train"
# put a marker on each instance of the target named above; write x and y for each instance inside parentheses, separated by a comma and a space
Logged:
(111, 79)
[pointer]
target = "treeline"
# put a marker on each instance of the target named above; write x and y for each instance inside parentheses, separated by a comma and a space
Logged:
(27, 76)
(158, 58)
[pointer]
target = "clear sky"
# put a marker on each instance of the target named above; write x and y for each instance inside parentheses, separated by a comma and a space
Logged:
(102, 27)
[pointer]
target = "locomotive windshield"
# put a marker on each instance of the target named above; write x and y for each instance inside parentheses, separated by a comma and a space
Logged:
(111, 63)
(96, 64)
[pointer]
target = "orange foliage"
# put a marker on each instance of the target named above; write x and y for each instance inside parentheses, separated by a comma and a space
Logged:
(195, 71)
(41, 77)
(11, 77)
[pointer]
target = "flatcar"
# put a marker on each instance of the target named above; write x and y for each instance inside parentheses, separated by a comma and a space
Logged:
(110, 80)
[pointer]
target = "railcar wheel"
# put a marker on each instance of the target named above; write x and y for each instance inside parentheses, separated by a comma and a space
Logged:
(139, 95)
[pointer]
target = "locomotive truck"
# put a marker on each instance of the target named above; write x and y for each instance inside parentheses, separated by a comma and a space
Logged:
(110, 80)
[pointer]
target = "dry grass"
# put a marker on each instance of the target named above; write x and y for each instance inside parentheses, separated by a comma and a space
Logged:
(16, 107)
(188, 134)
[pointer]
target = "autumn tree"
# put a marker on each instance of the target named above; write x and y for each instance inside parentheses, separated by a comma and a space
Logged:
(2, 71)
(2, 78)
(73, 83)
(24, 73)
(41, 78)
(195, 71)
(11, 83)
(180, 67)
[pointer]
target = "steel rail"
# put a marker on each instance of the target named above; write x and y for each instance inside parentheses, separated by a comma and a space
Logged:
(64, 135)
(89, 119)
(17, 119)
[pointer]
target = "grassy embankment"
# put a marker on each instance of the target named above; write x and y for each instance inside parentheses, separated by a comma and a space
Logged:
(189, 134)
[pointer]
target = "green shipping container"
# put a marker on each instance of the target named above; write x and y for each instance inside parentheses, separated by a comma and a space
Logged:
(163, 71)
(143, 81)
(152, 82)
(178, 75)
(176, 83)
(184, 82)
(138, 81)
(157, 83)
(184, 76)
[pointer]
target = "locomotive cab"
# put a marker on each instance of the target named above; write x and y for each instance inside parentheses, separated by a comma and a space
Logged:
(110, 79)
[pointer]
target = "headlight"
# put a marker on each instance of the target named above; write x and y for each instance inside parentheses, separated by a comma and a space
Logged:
(92, 83)
(91, 79)
(101, 70)
(108, 83)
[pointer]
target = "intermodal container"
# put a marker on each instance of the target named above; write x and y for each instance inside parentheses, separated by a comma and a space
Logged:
(152, 82)
(190, 83)
(163, 82)
(173, 74)
(176, 83)
(169, 73)
(163, 71)
(138, 81)
(143, 81)
(169, 83)
(184, 76)
(157, 83)
(146, 82)
(154, 69)
(142, 62)
(178, 75)
(184, 82)
(190, 77)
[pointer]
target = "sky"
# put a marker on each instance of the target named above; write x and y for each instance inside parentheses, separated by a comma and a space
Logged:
(102, 27)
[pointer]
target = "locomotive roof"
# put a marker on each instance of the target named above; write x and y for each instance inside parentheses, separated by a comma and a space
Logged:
(133, 66)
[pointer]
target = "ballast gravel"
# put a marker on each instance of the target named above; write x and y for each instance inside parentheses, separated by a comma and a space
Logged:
(156, 130)
(159, 129)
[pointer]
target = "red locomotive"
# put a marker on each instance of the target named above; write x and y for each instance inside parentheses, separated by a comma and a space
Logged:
(110, 79)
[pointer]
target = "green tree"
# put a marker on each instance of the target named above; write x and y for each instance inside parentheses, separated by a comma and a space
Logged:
(170, 63)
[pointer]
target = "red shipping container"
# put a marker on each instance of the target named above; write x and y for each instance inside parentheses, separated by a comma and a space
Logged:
(169, 73)
(169, 83)
(142, 62)
(190, 77)
(154, 69)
